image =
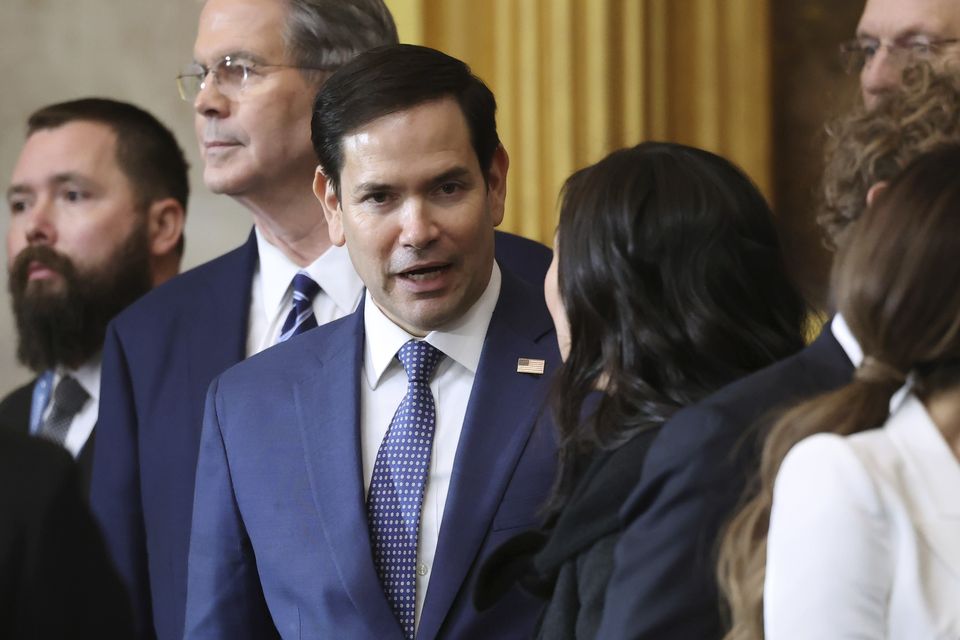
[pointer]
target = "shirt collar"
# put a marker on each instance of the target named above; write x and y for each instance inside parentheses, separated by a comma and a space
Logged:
(841, 331)
(87, 374)
(333, 271)
(461, 340)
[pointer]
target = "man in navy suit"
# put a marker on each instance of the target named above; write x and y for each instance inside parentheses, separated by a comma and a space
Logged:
(257, 66)
(345, 488)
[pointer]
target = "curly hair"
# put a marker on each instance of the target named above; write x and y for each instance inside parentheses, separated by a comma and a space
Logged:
(895, 278)
(673, 282)
(865, 146)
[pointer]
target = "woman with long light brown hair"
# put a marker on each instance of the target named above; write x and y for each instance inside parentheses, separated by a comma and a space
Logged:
(855, 531)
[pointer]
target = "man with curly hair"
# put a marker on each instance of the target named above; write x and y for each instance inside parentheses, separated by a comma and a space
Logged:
(895, 33)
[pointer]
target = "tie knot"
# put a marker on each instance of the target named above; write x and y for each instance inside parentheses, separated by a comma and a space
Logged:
(419, 360)
(69, 396)
(304, 288)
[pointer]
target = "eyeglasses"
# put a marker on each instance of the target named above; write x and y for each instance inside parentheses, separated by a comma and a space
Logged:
(231, 74)
(856, 54)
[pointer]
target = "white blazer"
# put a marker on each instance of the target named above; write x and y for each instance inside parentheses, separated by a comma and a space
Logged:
(864, 535)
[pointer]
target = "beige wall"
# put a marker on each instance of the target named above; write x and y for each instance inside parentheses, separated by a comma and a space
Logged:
(126, 49)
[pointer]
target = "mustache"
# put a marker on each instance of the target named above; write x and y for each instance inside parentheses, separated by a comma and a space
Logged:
(213, 132)
(47, 256)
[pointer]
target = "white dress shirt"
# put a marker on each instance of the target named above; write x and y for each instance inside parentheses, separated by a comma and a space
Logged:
(841, 331)
(88, 375)
(385, 384)
(271, 295)
(864, 537)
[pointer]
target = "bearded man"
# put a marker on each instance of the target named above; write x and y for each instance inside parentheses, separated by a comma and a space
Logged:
(97, 204)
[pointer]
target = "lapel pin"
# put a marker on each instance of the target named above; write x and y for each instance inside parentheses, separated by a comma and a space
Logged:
(530, 365)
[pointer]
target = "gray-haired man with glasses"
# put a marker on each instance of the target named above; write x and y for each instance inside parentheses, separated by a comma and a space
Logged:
(894, 33)
(257, 65)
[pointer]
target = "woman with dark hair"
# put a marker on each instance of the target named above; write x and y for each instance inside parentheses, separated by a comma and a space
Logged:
(667, 283)
(859, 486)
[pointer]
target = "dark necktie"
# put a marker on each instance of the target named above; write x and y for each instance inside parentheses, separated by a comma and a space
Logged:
(68, 398)
(399, 480)
(301, 316)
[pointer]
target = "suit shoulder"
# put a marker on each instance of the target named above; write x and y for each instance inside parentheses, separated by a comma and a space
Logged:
(731, 415)
(15, 408)
(525, 258)
(291, 359)
(179, 294)
(524, 306)
(828, 465)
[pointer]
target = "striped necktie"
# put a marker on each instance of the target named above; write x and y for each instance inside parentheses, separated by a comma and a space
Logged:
(301, 316)
(399, 480)
(68, 398)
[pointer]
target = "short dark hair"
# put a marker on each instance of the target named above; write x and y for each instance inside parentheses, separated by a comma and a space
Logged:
(674, 285)
(390, 79)
(326, 34)
(147, 152)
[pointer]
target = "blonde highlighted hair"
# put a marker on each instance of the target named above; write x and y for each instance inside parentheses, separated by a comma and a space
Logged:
(895, 277)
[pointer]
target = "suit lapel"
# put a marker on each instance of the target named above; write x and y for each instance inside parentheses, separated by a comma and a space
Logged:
(498, 422)
(931, 482)
(328, 412)
(218, 335)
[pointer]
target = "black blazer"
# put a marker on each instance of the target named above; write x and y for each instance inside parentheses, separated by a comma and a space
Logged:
(663, 583)
(56, 580)
(569, 563)
(15, 418)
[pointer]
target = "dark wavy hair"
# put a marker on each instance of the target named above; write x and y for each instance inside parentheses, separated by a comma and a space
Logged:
(674, 285)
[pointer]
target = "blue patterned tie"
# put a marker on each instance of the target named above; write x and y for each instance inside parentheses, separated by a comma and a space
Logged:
(301, 316)
(399, 479)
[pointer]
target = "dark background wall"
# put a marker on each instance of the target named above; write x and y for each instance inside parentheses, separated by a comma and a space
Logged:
(809, 88)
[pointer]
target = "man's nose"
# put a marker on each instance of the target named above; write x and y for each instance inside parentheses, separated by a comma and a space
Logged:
(419, 226)
(210, 102)
(41, 225)
(880, 75)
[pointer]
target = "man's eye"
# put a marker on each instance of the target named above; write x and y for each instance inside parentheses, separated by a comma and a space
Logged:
(869, 50)
(74, 195)
(233, 71)
(449, 188)
(17, 206)
(377, 197)
(920, 48)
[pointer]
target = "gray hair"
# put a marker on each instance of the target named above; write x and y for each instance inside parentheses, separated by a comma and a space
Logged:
(326, 34)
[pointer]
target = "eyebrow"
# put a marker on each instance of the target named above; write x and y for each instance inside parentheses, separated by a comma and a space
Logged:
(56, 180)
(455, 173)
(903, 34)
(239, 53)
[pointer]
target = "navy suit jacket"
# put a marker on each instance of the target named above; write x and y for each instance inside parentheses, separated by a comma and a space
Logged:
(280, 543)
(159, 358)
(664, 577)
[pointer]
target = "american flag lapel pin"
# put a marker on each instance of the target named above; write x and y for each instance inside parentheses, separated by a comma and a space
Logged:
(530, 365)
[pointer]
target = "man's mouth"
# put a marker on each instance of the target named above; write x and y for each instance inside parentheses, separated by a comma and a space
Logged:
(39, 271)
(425, 273)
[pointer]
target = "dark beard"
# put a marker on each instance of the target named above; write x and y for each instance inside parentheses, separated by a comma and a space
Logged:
(66, 323)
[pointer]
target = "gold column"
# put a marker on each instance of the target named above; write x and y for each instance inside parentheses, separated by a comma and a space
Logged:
(576, 79)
